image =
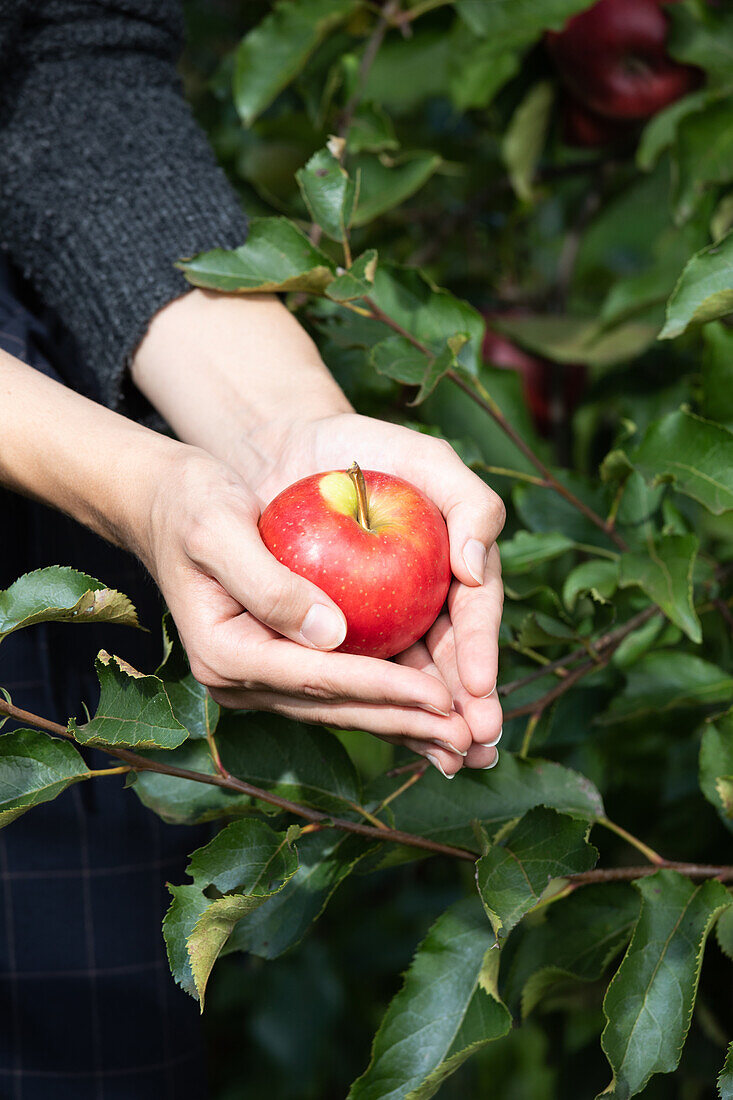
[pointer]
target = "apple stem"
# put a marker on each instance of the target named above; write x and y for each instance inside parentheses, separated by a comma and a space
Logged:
(362, 504)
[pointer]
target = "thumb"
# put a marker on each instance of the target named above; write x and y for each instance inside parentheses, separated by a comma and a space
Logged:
(279, 598)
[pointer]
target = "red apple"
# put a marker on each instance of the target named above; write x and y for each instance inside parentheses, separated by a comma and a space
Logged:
(548, 403)
(584, 129)
(613, 58)
(372, 542)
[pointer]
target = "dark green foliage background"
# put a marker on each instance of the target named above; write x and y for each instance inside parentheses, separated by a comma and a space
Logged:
(619, 260)
(298, 1027)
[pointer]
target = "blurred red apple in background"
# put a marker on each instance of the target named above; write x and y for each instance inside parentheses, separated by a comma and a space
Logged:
(552, 390)
(613, 60)
(585, 129)
(372, 542)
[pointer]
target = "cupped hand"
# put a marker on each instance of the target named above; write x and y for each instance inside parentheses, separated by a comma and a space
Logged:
(259, 637)
(465, 658)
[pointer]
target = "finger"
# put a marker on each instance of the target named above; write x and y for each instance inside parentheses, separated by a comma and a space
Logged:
(482, 757)
(482, 716)
(476, 618)
(225, 543)
(447, 763)
(250, 656)
(384, 721)
(473, 512)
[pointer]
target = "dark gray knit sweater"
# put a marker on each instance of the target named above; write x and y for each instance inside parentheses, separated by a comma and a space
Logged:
(105, 179)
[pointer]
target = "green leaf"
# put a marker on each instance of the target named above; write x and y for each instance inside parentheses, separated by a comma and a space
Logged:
(511, 23)
(386, 180)
(187, 801)
(717, 373)
(724, 932)
(329, 193)
(247, 856)
(577, 939)
(432, 315)
(512, 876)
(716, 763)
(304, 763)
(275, 257)
(599, 579)
(525, 138)
(649, 1002)
(578, 339)
(60, 594)
(357, 281)
(6, 696)
(722, 217)
(406, 71)
(371, 130)
(665, 574)
(133, 710)
(704, 290)
(397, 358)
(528, 550)
(665, 679)
(188, 905)
(446, 1010)
(706, 42)
(325, 860)
(660, 130)
(478, 72)
(725, 1077)
(547, 512)
(272, 54)
(190, 701)
(695, 454)
(448, 811)
(703, 155)
(35, 768)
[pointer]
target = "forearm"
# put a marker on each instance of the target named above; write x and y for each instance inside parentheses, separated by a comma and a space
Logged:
(226, 371)
(77, 456)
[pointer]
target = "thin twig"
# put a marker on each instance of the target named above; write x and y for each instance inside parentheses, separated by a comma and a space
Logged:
(620, 874)
(485, 401)
(230, 782)
(610, 638)
(418, 773)
(319, 820)
(388, 17)
(528, 733)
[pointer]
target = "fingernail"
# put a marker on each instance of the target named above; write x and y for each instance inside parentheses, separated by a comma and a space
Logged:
(490, 744)
(492, 765)
(447, 745)
(323, 627)
(488, 693)
(437, 764)
(474, 555)
(434, 710)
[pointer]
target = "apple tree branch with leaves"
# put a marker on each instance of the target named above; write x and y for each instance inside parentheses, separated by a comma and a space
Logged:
(582, 362)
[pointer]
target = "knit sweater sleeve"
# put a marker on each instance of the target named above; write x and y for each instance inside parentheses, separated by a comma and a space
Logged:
(105, 178)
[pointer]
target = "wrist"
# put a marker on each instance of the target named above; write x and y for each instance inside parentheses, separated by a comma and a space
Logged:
(229, 373)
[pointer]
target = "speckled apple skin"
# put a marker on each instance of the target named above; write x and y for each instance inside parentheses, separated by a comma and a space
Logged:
(390, 583)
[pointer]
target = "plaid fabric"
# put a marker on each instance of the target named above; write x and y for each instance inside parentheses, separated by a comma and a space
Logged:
(88, 1009)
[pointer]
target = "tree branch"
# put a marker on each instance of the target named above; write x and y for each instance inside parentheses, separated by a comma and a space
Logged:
(230, 782)
(612, 637)
(485, 401)
(389, 17)
(320, 820)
